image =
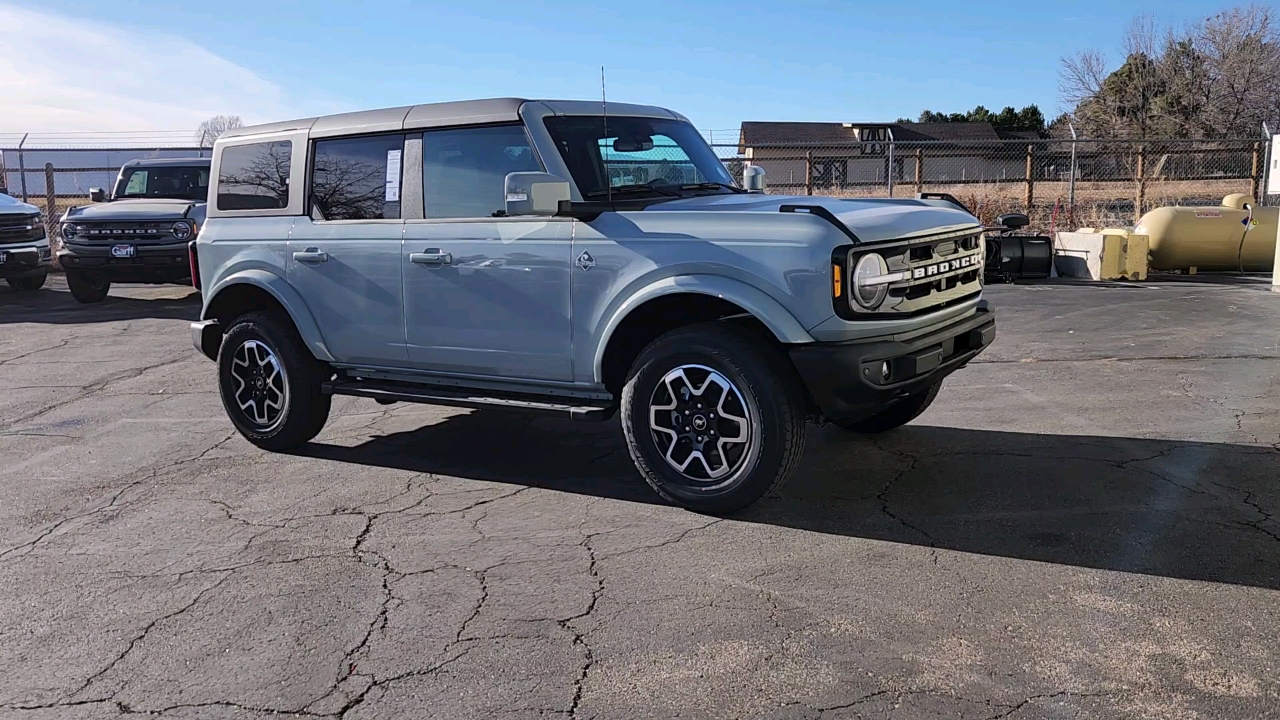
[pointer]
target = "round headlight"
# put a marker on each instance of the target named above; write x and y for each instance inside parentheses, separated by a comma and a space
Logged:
(182, 230)
(69, 231)
(869, 266)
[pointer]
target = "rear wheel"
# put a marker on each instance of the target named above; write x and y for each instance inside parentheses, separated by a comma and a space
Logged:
(87, 288)
(30, 282)
(896, 415)
(270, 383)
(714, 418)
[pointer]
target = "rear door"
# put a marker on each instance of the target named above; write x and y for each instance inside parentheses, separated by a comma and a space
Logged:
(344, 257)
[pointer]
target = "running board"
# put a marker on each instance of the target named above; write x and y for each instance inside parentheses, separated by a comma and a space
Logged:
(385, 391)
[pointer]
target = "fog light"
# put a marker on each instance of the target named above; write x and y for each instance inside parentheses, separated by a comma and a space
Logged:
(886, 371)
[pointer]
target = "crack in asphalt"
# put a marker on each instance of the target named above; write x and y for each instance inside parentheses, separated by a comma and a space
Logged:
(579, 636)
(94, 387)
(145, 631)
(883, 497)
(1046, 696)
(61, 344)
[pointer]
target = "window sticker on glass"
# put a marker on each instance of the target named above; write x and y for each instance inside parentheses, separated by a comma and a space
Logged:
(393, 176)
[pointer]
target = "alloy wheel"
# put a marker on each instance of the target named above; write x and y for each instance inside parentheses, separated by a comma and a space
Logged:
(702, 425)
(262, 389)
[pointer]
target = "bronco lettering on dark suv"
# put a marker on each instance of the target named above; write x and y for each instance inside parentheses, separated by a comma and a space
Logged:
(538, 256)
(140, 233)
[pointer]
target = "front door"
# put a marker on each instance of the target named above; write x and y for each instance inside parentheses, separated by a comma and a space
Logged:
(485, 295)
(345, 258)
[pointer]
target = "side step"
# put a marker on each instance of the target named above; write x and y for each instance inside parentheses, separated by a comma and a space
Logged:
(385, 391)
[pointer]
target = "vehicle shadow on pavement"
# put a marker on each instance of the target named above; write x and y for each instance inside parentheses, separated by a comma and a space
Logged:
(53, 307)
(1188, 510)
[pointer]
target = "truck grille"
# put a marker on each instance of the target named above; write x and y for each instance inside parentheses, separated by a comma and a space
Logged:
(927, 273)
(94, 233)
(16, 228)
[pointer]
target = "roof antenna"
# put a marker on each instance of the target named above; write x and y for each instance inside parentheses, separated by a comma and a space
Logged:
(604, 106)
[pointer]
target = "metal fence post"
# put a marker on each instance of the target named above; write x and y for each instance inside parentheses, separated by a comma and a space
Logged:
(1255, 173)
(808, 172)
(891, 173)
(1031, 182)
(1071, 181)
(1142, 183)
(50, 194)
(22, 168)
(919, 170)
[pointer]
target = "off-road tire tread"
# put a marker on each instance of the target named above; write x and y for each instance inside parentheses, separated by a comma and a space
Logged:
(84, 292)
(740, 349)
(309, 407)
(29, 283)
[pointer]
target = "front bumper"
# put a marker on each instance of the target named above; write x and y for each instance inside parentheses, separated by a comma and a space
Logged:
(846, 380)
(17, 261)
(168, 263)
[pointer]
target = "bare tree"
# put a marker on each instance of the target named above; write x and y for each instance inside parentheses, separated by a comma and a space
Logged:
(1241, 47)
(213, 128)
(1218, 77)
(1081, 76)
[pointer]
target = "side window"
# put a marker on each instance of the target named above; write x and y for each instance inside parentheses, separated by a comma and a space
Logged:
(357, 178)
(463, 170)
(137, 183)
(255, 177)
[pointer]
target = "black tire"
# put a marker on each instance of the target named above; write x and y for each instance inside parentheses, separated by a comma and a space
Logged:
(896, 415)
(87, 288)
(28, 283)
(769, 397)
(281, 419)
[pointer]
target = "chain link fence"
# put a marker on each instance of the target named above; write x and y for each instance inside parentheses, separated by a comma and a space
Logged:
(1059, 184)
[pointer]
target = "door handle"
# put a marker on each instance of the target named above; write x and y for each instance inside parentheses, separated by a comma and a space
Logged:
(432, 256)
(311, 256)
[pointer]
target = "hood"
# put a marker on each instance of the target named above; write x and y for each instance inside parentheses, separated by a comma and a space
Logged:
(872, 220)
(14, 206)
(142, 210)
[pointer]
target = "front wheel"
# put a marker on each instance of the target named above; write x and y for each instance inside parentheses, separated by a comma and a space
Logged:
(896, 415)
(86, 288)
(714, 418)
(270, 383)
(28, 283)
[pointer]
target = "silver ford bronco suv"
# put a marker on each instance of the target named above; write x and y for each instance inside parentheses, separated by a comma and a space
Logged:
(139, 233)
(24, 247)
(555, 257)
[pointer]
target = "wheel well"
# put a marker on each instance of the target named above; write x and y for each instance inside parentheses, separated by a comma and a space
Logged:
(236, 300)
(660, 315)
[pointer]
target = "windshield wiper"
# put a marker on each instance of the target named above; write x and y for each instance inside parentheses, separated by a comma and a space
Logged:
(712, 186)
(626, 189)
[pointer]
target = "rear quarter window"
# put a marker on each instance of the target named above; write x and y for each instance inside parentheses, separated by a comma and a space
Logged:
(255, 176)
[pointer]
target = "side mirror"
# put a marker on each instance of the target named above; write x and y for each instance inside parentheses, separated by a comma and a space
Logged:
(1013, 221)
(753, 178)
(535, 193)
(97, 195)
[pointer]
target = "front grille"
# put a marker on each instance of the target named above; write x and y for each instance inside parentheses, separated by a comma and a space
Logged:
(15, 228)
(91, 233)
(932, 272)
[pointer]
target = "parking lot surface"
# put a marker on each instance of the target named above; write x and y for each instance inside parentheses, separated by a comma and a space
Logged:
(1086, 524)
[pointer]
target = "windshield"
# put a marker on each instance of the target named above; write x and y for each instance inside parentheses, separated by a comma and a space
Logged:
(646, 154)
(182, 183)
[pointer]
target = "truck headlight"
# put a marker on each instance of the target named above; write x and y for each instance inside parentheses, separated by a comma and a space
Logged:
(69, 231)
(869, 289)
(183, 230)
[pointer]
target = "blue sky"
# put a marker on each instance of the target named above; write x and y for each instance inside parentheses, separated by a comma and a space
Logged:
(717, 62)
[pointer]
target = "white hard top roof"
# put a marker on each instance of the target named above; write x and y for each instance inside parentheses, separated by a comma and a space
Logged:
(467, 112)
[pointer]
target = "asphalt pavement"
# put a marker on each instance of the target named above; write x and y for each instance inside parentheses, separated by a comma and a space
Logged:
(1084, 525)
